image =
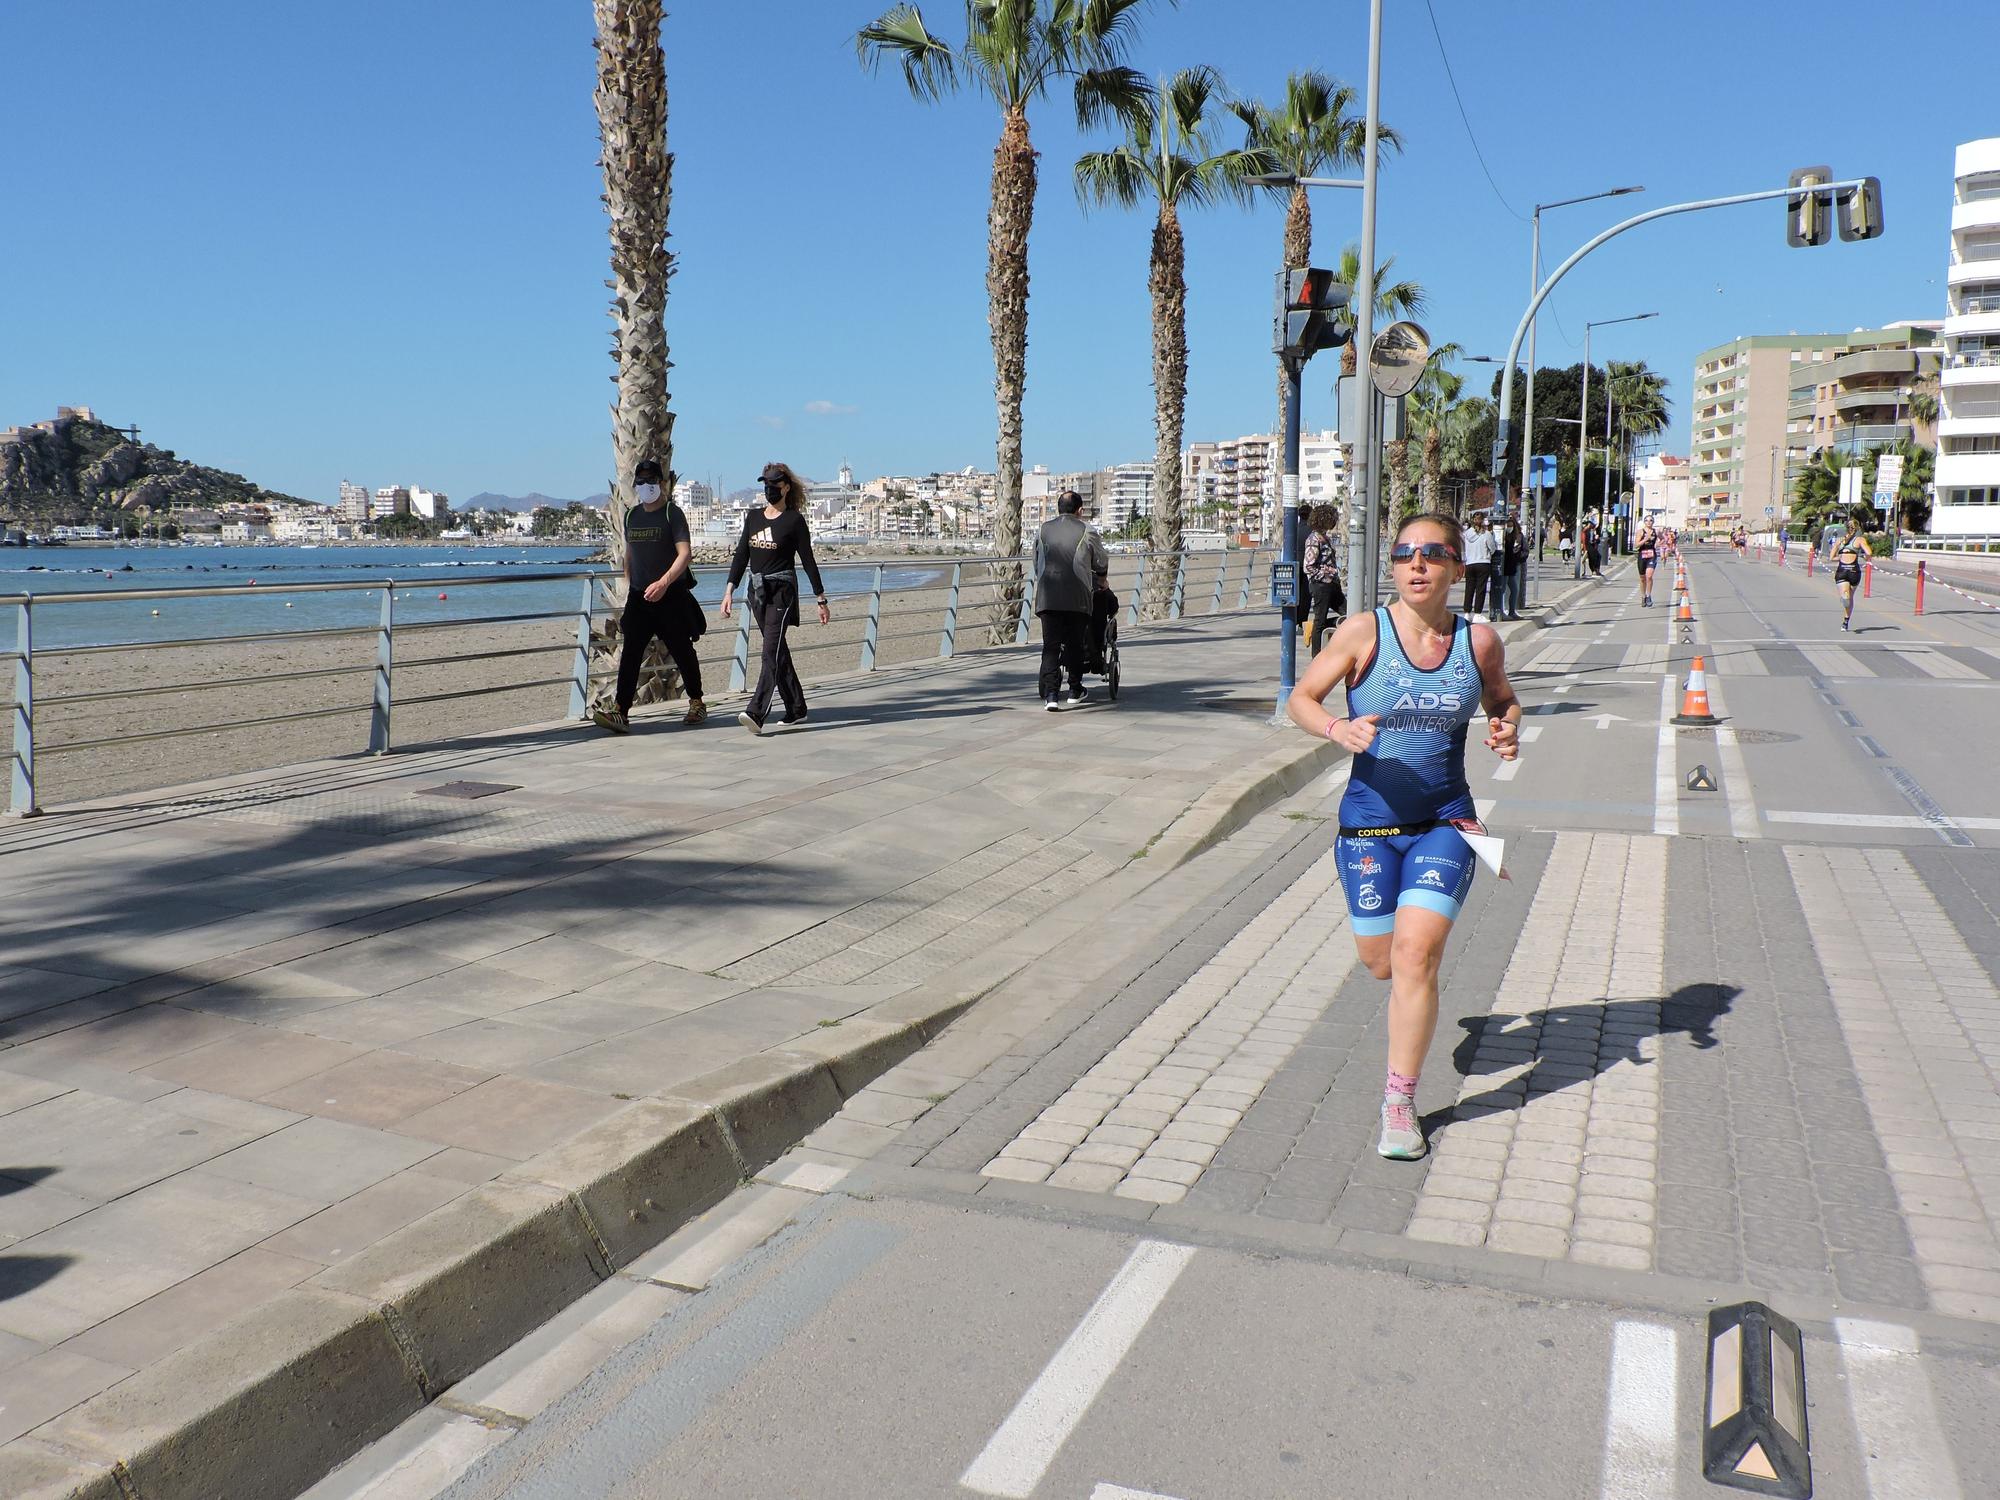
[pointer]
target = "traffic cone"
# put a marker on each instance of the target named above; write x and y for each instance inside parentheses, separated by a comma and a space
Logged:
(1694, 698)
(1686, 615)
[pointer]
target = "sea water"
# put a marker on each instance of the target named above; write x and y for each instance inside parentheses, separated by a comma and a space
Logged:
(252, 590)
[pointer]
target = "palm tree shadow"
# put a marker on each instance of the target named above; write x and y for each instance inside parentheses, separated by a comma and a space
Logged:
(1562, 1030)
(20, 1274)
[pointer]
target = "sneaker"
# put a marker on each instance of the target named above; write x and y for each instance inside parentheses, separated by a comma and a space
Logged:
(1843, 624)
(1052, 705)
(611, 719)
(797, 718)
(750, 722)
(1401, 1138)
(1081, 695)
(697, 712)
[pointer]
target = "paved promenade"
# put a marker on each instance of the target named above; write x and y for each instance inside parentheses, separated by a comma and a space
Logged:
(250, 1031)
(1701, 1046)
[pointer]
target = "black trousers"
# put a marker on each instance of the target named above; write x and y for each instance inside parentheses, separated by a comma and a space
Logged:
(1475, 587)
(1328, 599)
(1065, 644)
(642, 621)
(775, 674)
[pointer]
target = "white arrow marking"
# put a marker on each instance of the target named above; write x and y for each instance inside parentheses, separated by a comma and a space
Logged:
(1604, 721)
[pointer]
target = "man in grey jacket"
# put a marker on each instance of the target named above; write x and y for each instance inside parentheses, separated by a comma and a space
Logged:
(1069, 559)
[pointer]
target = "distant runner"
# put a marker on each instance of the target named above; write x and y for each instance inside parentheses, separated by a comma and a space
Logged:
(1848, 555)
(1415, 675)
(1648, 550)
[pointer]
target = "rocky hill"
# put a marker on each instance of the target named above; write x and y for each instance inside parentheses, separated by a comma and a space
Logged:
(77, 470)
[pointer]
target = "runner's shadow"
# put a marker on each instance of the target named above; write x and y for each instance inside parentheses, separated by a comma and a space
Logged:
(1549, 1050)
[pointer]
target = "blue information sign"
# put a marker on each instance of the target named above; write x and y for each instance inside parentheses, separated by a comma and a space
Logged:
(1542, 471)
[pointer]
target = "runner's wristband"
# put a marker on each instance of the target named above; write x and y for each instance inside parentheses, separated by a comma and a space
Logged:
(1331, 725)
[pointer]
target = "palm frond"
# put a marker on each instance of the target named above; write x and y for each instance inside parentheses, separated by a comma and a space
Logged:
(930, 69)
(1114, 176)
(1119, 93)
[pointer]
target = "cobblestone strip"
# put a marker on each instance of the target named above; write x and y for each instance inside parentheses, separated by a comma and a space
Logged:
(1922, 1020)
(1148, 1118)
(1553, 1145)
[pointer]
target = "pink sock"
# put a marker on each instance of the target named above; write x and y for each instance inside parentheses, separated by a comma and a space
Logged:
(1401, 1086)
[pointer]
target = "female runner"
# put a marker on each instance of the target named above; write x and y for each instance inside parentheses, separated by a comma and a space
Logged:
(1416, 675)
(1847, 558)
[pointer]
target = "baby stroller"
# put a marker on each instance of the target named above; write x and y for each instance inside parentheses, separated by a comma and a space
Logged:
(1102, 660)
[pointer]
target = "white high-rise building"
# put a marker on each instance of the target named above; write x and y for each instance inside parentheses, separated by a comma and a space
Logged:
(429, 504)
(353, 501)
(392, 500)
(1968, 458)
(1128, 497)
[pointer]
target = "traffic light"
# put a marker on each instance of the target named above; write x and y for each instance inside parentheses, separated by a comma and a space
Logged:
(1861, 210)
(1309, 301)
(1809, 215)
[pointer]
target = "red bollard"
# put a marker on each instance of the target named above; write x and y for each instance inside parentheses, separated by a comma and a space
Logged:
(1760, 552)
(1920, 587)
(1868, 580)
(1811, 553)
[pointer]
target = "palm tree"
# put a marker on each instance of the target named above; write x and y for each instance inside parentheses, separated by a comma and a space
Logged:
(1437, 388)
(1311, 131)
(1924, 399)
(1639, 394)
(1167, 156)
(631, 98)
(1014, 51)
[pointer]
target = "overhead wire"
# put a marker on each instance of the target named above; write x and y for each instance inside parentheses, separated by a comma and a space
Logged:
(1466, 119)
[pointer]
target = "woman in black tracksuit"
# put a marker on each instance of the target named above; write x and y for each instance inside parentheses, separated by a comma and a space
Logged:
(775, 541)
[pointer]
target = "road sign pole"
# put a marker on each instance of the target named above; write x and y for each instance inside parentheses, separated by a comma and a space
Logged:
(1288, 615)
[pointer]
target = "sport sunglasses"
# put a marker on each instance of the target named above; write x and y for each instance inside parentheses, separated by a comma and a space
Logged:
(1433, 552)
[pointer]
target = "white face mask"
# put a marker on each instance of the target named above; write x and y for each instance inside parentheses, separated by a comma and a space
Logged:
(646, 494)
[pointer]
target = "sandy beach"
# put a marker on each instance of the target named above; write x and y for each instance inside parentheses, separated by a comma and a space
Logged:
(228, 685)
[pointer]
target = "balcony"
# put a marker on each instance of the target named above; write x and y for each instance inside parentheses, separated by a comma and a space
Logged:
(1967, 468)
(1957, 325)
(1979, 213)
(1861, 436)
(1886, 398)
(1874, 362)
(1971, 367)
(1985, 300)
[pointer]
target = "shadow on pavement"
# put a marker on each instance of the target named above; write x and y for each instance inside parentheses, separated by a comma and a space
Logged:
(20, 1274)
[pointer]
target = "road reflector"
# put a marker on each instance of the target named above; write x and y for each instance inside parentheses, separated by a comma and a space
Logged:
(1698, 780)
(1755, 1435)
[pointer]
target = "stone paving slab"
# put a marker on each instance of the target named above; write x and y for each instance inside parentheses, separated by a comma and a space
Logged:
(251, 1030)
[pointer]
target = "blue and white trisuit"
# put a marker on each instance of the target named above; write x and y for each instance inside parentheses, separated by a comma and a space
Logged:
(1397, 846)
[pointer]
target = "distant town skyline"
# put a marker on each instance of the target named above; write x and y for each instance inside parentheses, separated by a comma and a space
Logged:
(418, 291)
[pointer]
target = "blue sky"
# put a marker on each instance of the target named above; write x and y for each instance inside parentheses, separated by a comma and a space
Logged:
(310, 242)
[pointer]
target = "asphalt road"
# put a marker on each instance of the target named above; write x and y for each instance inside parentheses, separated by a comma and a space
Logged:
(900, 1337)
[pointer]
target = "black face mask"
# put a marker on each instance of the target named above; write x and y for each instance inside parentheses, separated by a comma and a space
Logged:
(774, 491)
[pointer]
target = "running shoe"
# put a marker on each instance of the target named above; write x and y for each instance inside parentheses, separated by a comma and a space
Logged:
(1843, 624)
(1080, 696)
(1053, 705)
(797, 718)
(607, 717)
(697, 712)
(1402, 1140)
(750, 722)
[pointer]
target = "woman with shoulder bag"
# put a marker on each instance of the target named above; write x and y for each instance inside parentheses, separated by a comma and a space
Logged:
(775, 541)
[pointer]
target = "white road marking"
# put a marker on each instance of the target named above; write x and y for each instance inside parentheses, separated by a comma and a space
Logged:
(1666, 773)
(1530, 733)
(1831, 661)
(1903, 1447)
(1875, 820)
(1484, 806)
(1736, 788)
(1934, 663)
(1639, 1419)
(1507, 770)
(1119, 1492)
(1013, 1462)
(1647, 659)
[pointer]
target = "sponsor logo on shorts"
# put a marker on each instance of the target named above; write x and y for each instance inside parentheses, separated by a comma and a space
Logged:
(1433, 859)
(1432, 878)
(1377, 833)
(1368, 898)
(1369, 865)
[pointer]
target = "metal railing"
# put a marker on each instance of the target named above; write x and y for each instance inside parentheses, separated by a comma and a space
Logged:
(1976, 359)
(1971, 546)
(1232, 587)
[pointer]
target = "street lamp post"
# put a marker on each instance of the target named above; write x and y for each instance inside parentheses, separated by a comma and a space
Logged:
(1583, 431)
(1528, 423)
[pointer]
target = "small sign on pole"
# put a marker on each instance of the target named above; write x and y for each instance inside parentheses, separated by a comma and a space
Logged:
(1542, 471)
(1888, 479)
(1284, 584)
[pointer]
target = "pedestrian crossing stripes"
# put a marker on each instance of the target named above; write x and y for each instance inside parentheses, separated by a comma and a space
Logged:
(1914, 662)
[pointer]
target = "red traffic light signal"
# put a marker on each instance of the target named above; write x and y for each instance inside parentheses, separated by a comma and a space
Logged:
(1310, 299)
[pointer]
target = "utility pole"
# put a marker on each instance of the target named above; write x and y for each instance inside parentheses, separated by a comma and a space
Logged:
(1361, 487)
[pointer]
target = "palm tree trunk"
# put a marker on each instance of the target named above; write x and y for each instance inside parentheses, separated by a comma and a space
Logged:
(1007, 226)
(631, 99)
(1433, 466)
(1168, 282)
(1396, 458)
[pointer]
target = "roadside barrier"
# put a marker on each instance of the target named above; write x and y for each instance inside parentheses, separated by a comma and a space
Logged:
(1694, 698)
(1868, 580)
(928, 612)
(1811, 553)
(1920, 586)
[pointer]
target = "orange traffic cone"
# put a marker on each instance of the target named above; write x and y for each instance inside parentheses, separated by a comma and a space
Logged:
(1694, 699)
(1686, 615)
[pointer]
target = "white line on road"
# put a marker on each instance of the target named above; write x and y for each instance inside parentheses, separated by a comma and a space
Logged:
(1017, 1456)
(1875, 820)
(1903, 1448)
(1119, 1492)
(1666, 774)
(1530, 733)
(1507, 770)
(1639, 1416)
(1735, 771)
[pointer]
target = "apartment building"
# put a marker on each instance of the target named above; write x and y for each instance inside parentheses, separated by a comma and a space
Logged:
(1967, 502)
(1763, 404)
(1127, 496)
(353, 501)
